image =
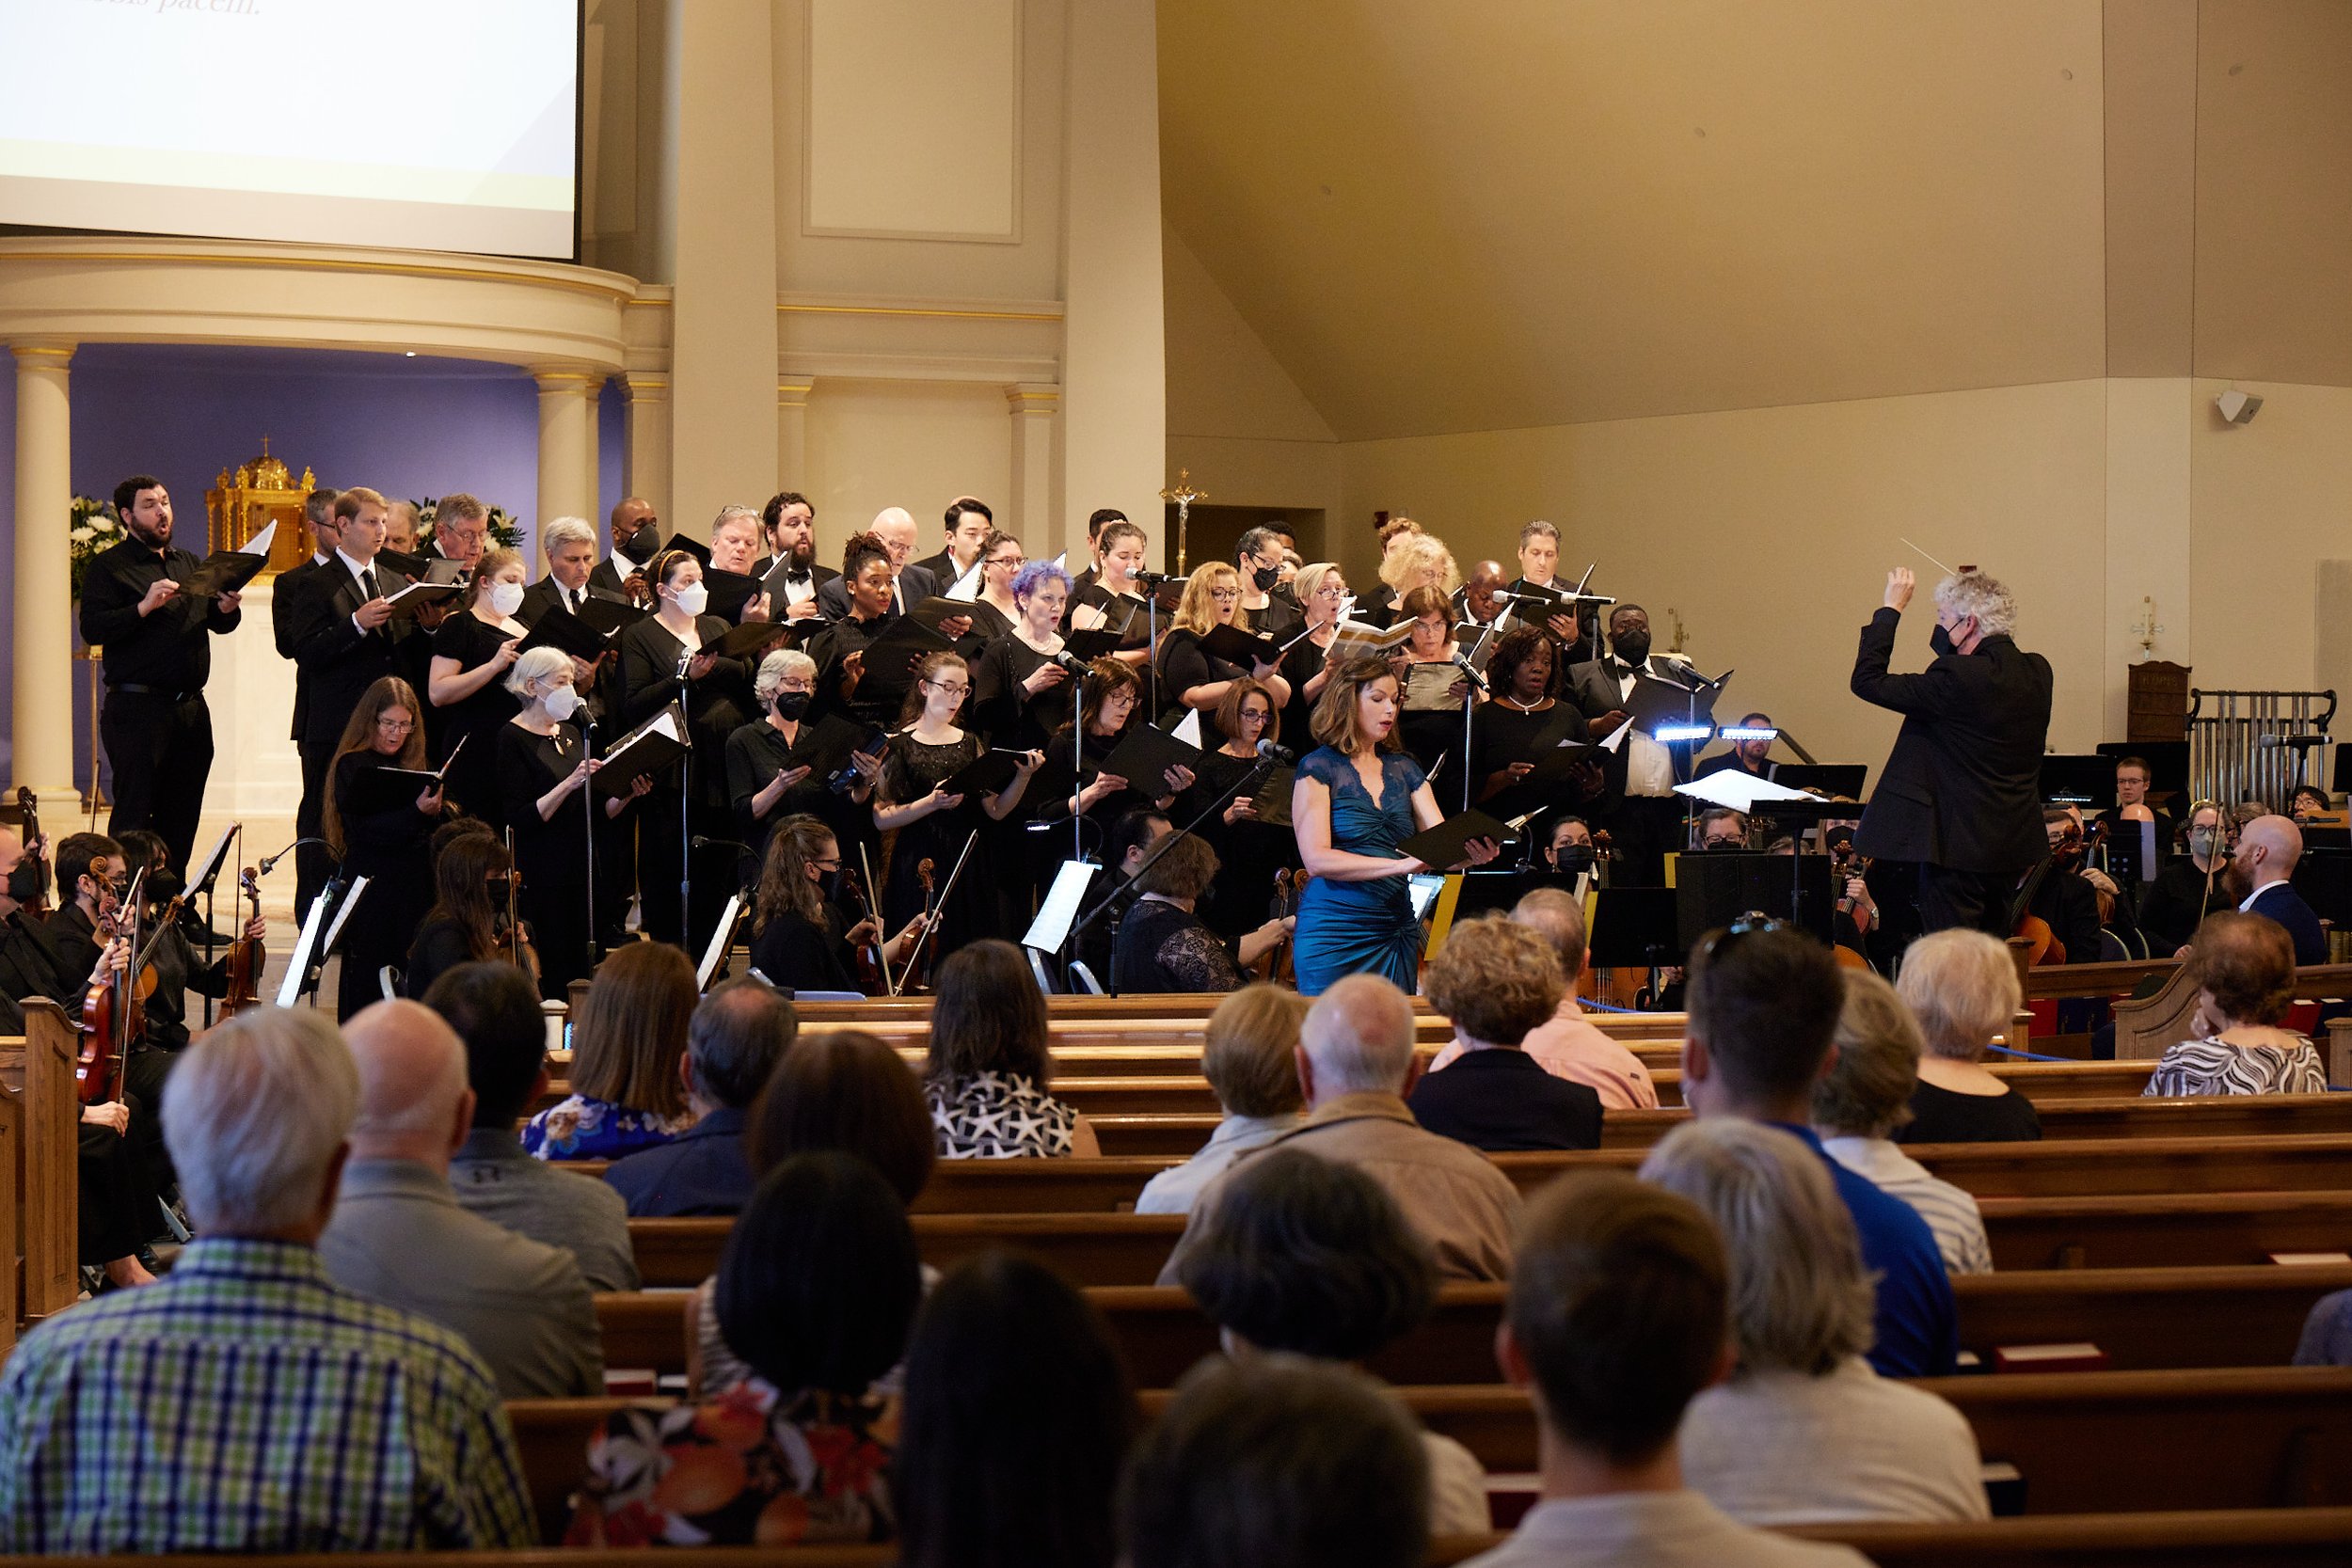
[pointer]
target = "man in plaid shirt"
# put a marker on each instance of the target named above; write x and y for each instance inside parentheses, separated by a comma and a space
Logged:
(244, 1403)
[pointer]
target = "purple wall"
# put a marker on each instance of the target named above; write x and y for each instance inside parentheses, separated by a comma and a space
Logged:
(407, 427)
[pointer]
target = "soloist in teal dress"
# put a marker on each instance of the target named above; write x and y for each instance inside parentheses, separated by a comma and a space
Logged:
(1360, 927)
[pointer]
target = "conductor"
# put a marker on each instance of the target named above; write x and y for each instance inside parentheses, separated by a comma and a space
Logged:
(1960, 791)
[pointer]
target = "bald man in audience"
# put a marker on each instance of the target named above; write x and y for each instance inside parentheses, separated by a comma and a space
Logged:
(1569, 1046)
(245, 1402)
(1356, 1065)
(2259, 877)
(400, 1236)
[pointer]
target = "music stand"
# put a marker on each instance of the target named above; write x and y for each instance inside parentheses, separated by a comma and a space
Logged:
(1712, 890)
(2078, 780)
(1632, 927)
(310, 943)
(203, 873)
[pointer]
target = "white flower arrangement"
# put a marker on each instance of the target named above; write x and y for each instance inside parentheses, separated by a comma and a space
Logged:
(93, 527)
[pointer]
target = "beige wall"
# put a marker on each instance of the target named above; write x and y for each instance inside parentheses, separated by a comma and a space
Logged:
(873, 444)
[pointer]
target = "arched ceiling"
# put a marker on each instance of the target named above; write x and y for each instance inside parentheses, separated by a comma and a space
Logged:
(1494, 214)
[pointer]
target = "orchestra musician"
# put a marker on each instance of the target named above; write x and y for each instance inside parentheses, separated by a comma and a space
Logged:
(666, 657)
(542, 770)
(1022, 686)
(1959, 793)
(2132, 807)
(387, 843)
(1571, 848)
(179, 967)
(1190, 675)
(157, 657)
(471, 653)
(1751, 757)
(801, 938)
(468, 913)
(2190, 886)
(786, 763)
(1358, 797)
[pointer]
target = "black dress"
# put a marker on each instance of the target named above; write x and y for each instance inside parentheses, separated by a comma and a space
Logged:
(716, 706)
(441, 946)
(1006, 711)
(798, 955)
(1302, 663)
(910, 770)
(1502, 735)
(476, 720)
(1184, 664)
(1058, 778)
(1249, 853)
(1161, 948)
(757, 751)
(845, 636)
(389, 848)
(2177, 902)
(1941, 1115)
(551, 854)
(1127, 614)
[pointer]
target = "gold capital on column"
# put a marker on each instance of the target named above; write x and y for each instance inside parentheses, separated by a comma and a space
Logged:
(42, 656)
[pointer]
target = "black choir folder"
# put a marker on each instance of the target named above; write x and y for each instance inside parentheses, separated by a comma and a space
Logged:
(560, 628)
(1144, 758)
(388, 790)
(888, 668)
(655, 743)
(986, 774)
(1239, 645)
(228, 571)
(1445, 844)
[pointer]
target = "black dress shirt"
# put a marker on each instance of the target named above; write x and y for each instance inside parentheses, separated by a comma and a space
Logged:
(169, 649)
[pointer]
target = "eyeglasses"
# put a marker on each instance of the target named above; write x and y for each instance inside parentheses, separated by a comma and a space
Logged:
(950, 691)
(1223, 593)
(1011, 561)
(395, 725)
(830, 863)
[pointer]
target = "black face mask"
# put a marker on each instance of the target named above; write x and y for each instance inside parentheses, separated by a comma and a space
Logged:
(28, 881)
(1634, 648)
(791, 705)
(1941, 642)
(640, 544)
(1572, 858)
(1266, 576)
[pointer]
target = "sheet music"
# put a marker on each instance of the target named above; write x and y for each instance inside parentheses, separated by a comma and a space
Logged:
(1616, 738)
(720, 940)
(1189, 731)
(208, 865)
(1738, 789)
(260, 544)
(966, 589)
(1059, 907)
(342, 912)
(291, 987)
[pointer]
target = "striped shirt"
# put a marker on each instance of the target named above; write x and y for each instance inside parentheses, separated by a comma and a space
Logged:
(1952, 1213)
(244, 1403)
(2218, 1066)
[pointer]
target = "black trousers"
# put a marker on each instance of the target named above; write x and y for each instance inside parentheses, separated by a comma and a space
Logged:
(161, 753)
(312, 864)
(1973, 900)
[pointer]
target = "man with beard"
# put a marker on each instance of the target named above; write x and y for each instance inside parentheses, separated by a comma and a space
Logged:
(636, 534)
(158, 656)
(1961, 792)
(789, 574)
(2258, 877)
(1646, 821)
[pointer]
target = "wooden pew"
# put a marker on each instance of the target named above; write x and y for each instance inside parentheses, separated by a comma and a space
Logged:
(2146, 1026)
(40, 1169)
(2143, 1319)
(2127, 1116)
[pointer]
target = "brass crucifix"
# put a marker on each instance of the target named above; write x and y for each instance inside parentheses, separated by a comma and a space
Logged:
(1184, 495)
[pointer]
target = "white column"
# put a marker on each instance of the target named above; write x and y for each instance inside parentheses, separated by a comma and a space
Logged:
(792, 434)
(591, 480)
(1030, 511)
(646, 469)
(566, 445)
(1115, 350)
(42, 658)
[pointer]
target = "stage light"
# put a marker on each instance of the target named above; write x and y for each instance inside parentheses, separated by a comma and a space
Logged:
(1667, 735)
(1747, 732)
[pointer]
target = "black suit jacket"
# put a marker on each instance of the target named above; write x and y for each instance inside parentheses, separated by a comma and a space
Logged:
(336, 659)
(1961, 789)
(603, 575)
(766, 570)
(914, 585)
(544, 596)
(2281, 903)
(282, 596)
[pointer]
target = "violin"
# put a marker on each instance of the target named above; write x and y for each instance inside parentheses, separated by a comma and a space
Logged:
(1844, 867)
(872, 978)
(513, 936)
(29, 806)
(247, 957)
(910, 974)
(1275, 962)
(114, 1015)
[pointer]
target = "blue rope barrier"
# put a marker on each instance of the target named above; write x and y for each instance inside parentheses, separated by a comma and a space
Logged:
(2029, 1055)
(1588, 1005)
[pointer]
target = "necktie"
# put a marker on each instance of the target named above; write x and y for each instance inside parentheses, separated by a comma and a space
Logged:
(574, 595)
(367, 583)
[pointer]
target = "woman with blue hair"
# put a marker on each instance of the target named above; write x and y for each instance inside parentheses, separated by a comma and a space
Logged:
(1021, 691)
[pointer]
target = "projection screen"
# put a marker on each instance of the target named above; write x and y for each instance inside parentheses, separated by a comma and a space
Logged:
(430, 124)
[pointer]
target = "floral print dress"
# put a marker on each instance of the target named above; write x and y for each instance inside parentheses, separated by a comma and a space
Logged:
(753, 1466)
(578, 1128)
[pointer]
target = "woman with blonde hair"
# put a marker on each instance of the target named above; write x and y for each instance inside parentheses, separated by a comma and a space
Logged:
(1307, 663)
(1248, 1054)
(1419, 561)
(1356, 798)
(1805, 1430)
(381, 833)
(627, 1040)
(472, 650)
(1962, 986)
(1190, 675)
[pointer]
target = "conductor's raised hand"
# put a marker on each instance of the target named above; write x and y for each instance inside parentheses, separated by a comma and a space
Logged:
(1900, 582)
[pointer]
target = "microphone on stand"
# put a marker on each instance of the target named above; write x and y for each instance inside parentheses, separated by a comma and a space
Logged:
(1462, 662)
(1069, 661)
(1281, 755)
(269, 863)
(1153, 579)
(703, 842)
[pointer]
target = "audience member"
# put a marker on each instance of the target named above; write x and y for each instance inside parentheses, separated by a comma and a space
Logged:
(171, 1417)
(1249, 1053)
(1764, 1002)
(990, 1066)
(1018, 1415)
(495, 1009)
(1805, 1432)
(398, 1235)
(2258, 876)
(817, 1286)
(1617, 1318)
(628, 1038)
(1962, 986)
(843, 1092)
(1281, 1464)
(1498, 980)
(2243, 966)
(1313, 1257)
(1867, 1095)
(1355, 1064)
(1567, 1045)
(738, 1034)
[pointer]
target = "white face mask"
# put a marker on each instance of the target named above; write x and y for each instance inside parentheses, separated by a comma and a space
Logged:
(506, 597)
(692, 598)
(561, 703)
